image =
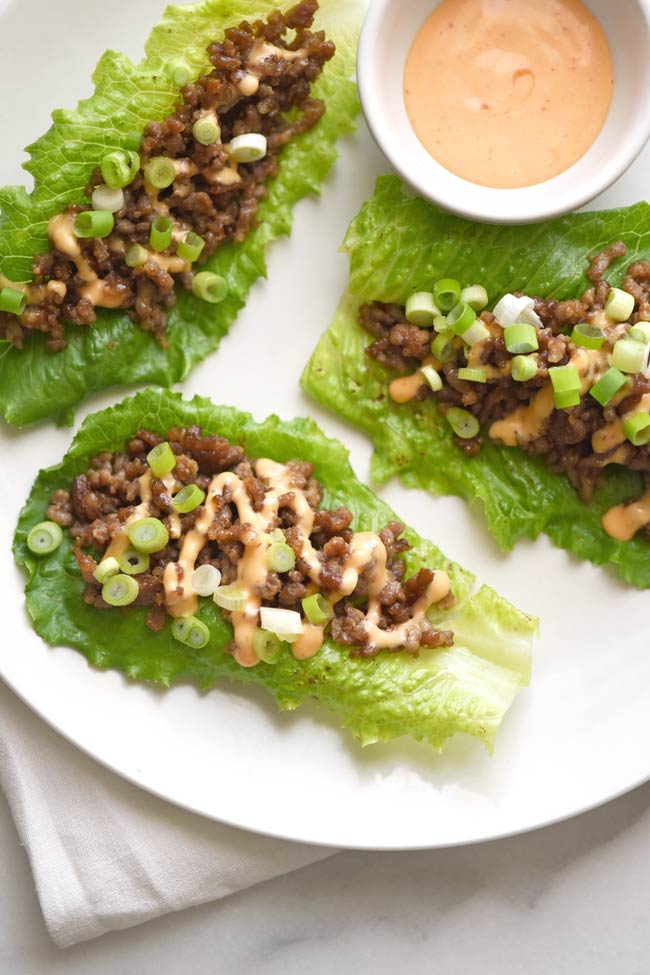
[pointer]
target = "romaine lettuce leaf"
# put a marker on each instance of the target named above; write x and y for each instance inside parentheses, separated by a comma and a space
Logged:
(36, 384)
(467, 688)
(398, 244)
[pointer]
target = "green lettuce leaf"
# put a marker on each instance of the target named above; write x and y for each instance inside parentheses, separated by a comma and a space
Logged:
(467, 688)
(36, 384)
(399, 244)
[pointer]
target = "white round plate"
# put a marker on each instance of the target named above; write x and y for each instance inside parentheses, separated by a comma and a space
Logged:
(576, 738)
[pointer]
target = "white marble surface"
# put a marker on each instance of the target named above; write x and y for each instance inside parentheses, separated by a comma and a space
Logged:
(572, 898)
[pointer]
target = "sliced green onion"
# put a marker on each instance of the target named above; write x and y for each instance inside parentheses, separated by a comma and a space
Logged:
(93, 223)
(190, 247)
(317, 609)
(627, 355)
(619, 305)
(640, 332)
(440, 323)
(161, 459)
(191, 631)
(250, 147)
(523, 368)
(206, 579)
(160, 235)
(443, 347)
(136, 256)
(421, 309)
(473, 375)
(475, 296)
(463, 423)
(133, 562)
(608, 386)
(637, 429)
(566, 398)
(160, 172)
(120, 590)
(147, 535)
(446, 293)
(180, 72)
(188, 498)
(13, 301)
(477, 332)
(588, 336)
(277, 535)
(564, 378)
(206, 130)
(461, 317)
(284, 622)
(520, 339)
(267, 646)
(231, 598)
(44, 538)
(106, 568)
(132, 141)
(432, 377)
(209, 287)
(119, 167)
(108, 198)
(280, 557)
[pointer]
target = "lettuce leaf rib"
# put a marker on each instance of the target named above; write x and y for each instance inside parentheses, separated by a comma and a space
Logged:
(398, 244)
(467, 688)
(36, 384)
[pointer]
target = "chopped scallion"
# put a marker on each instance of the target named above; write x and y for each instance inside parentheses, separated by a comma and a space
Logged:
(147, 535)
(588, 336)
(119, 167)
(133, 562)
(627, 355)
(12, 301)
(523, 368)
(566, 398)
(440, 323)
(284, 622)
(637, 429)
(209, 287)
(206, 130)
(432, 377)
(161, 459)
(231, 598)
(93, 223)
(477, 332)
(475, 296)
(106, 568)
(446, 293)
(608, 386)
(280, 557)
(267, 646)
(160, 235)
(180, 72)
(191, 631)
(188, 498)
(108, 198)
(190, 247)
(460, 318)
(564, 378)
(206, 579)
(247, 148)
(120, 590)
(421, 309)
(44, 538)
(520, 339)
(443, 347)
(463, 423)
(619, 305)
(640, 332)
(472, 375)
(317, 609)
(160, 172)
(136, 256)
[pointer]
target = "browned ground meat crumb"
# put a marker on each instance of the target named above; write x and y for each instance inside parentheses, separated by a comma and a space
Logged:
(102, 499)
(566, 440)
(280, 109)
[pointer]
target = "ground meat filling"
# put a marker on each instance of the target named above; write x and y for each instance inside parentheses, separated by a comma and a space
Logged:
(565, 441)
(209, 195)
(101, 500)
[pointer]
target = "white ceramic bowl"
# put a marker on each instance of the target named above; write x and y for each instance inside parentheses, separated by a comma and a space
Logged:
(388, 32)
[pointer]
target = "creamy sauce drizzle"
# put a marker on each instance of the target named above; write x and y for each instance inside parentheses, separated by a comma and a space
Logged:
(98, 292)
(120, 541)
(625, 520)
(508, 93)
(527, 422)
(368, 554)
(405, 388)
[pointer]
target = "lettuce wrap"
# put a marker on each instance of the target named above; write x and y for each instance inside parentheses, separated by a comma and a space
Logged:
(399, 244)
(431, 696)
(36, 383)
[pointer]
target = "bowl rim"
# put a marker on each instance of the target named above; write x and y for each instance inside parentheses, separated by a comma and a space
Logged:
(547, 206)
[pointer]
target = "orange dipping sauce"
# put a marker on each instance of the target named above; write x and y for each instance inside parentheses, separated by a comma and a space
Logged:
(508, 93)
